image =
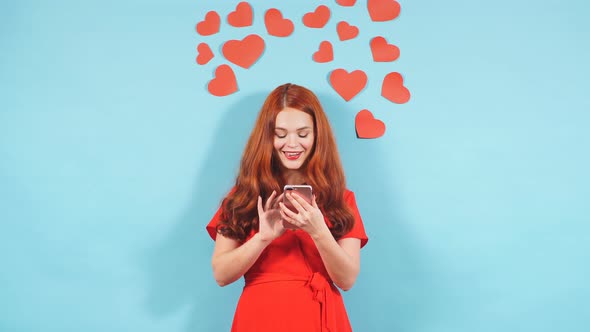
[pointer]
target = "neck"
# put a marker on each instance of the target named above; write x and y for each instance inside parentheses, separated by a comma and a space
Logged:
(292, 176)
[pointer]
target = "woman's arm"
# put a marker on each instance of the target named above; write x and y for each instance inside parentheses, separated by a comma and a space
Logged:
(231, 260)
(341, 258)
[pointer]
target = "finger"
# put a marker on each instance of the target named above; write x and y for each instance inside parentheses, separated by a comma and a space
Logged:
(288, 219)
(287, 211)
(279, 199)
(269, 201)
(298, 202)
(260, 210)
(301, 200)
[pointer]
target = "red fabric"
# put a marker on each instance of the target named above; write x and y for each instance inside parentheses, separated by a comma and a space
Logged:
(288, 287)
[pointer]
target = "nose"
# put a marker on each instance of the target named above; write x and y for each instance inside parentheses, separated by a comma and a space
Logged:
(292, 140)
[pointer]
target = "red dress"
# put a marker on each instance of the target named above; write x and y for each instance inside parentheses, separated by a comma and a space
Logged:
(288, 287)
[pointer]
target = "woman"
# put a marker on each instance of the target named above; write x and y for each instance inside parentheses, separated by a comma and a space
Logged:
(292, 262)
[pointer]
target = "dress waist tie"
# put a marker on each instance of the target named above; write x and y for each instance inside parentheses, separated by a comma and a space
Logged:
(320, 286)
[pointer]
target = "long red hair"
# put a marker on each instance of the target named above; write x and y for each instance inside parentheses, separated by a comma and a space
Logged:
(260, 169)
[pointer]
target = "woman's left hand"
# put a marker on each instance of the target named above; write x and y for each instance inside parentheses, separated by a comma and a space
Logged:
(309, 217)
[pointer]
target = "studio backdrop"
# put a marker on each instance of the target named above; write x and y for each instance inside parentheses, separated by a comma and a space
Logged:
(462, 127)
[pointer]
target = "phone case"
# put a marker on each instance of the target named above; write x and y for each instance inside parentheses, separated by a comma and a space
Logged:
(304, 191)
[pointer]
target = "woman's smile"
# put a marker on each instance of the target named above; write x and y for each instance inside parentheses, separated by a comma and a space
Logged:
(292, 155)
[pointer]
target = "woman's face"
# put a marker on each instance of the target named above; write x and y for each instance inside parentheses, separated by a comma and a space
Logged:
(294, 137)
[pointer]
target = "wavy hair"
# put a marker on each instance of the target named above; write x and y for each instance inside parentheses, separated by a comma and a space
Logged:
(260, 168)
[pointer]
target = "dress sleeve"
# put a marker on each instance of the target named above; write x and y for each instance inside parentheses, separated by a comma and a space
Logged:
(211, 226)
(358, 230)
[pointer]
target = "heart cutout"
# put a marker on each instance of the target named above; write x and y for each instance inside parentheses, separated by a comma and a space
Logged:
(210, 25)
(245, 52)
(382, 51)
(346, 3)
(393, 88)
(367, 126)
(318, 18)
(383, 10)
(348, 85)
(224, 83)
(242, 16)
(346, 31)
(205, 54)
(325, 53)
(276, 25)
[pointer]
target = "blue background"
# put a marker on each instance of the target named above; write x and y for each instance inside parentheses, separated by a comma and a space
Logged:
(113, 157)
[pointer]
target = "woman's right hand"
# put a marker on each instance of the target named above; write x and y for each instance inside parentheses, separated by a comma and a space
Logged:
(270, 225)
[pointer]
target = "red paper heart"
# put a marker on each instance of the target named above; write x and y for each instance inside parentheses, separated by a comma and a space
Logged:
(317, 18)
(210, 25)
(394, 90)
(382, 51)
(205, 54)
(325, 52)
(383, 10)
(224, 83)
(348, 85)
(242, 16)
(367, 126)
(346, 3)
(245, 52)
(276, 25)
(346, 31)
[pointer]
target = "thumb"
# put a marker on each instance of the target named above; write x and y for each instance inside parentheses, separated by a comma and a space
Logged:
(260, 210)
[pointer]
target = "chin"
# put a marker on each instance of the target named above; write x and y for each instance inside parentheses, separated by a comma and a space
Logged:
(292, 164)
(292, 167)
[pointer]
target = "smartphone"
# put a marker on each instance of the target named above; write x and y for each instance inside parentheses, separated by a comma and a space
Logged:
(302, 190)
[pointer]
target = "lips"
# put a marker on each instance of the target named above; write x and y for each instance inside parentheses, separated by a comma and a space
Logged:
(292, 155)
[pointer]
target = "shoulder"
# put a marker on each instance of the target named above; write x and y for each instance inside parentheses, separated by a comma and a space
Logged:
(348, 193)
(349, 197)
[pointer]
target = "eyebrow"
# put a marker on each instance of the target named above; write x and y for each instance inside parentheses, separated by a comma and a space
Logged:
(298, 129)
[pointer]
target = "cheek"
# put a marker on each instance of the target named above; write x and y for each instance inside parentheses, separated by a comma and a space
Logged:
(277, 144)
(308, 143)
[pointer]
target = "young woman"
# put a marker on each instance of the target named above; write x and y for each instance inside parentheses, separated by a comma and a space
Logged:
(293, 262)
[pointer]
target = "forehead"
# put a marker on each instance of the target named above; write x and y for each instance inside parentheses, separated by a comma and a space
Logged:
(291, 118)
